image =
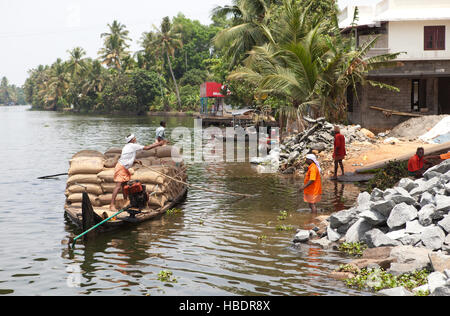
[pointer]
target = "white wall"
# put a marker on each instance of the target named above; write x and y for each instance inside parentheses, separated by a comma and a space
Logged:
(408, 36)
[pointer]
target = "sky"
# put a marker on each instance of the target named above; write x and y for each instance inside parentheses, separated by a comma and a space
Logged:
(39, 32)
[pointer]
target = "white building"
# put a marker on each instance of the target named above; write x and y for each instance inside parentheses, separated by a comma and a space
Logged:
(420, 29)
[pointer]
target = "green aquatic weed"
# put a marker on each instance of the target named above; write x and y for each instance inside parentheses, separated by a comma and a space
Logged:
(173, 211)
(378, 279)
(284, 228)
(166, 276)
(354, 249)
(283, 215)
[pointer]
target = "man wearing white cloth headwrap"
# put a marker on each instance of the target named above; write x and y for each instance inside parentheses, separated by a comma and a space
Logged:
(312, 187)
(121, 173)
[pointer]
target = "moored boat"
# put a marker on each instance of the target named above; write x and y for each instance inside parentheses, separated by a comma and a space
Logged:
(160, 174)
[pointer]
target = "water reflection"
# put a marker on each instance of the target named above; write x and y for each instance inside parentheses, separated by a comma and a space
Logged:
(218, 245)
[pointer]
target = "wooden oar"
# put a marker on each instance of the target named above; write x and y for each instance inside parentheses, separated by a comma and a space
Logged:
(53, 176)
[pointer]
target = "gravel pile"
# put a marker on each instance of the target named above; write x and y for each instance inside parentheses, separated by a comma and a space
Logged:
(317, 138)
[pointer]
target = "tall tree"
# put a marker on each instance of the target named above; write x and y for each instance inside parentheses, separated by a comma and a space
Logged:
(168, 39)
(115, 45)
(249, 18)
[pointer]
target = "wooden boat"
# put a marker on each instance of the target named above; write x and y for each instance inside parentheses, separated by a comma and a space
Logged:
(87, 195)
(87, 216)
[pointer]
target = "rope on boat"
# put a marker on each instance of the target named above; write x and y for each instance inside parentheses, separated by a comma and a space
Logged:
(200, 188)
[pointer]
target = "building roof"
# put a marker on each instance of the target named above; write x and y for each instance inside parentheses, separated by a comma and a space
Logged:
(414, 14)
(394, 10)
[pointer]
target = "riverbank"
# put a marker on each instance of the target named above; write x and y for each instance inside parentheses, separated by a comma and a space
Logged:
(406, 230)
(363, 147)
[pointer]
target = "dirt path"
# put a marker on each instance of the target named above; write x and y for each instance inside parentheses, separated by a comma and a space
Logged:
(366, 154)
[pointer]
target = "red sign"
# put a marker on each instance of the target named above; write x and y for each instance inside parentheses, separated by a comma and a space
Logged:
(211, 90)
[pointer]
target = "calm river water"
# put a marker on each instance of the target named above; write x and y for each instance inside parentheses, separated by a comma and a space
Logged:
(218, 245)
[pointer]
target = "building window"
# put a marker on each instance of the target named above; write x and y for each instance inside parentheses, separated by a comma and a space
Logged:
(418, 95)
(434, 38)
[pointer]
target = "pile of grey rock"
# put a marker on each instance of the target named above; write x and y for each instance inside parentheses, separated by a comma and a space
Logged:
(414, 216)
(319, 137)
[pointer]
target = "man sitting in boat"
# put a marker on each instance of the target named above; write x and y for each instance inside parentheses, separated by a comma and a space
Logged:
(121, 173)
(161, 134)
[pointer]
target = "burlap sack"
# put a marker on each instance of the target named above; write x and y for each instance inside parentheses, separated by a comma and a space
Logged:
(167, 151)
(111, 162)
(89, 188)
(158, 188)
(78, 198)
(158, 200)
(88, 153)
(84, 179)
(105, 199)
(149, 176)
(114, 150)
(86, 165)
(108, 187)
(146, 153)
(107, 175)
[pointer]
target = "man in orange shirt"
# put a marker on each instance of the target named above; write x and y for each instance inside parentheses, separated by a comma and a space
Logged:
(312, 187)
(416, 163)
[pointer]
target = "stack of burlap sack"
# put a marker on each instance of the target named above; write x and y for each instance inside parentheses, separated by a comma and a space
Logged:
(93, 172)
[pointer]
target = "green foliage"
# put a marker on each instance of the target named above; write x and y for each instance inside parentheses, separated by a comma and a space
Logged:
(174, 211)
(283, 215)
(284, 228)
(190, 97)
(166, 276)
(11, 93)
(146, 85)
(388, 176)
(353, 249)
(378, 279)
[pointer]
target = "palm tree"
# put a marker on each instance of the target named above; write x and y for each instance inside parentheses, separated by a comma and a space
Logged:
(249, 18)
(76, 65)
(167, 39)
(115, 45)
(56, 88)
(304, 64)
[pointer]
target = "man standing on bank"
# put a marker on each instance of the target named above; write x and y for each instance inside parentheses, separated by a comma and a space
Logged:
(312, 188)
(339, 152)
(122, 174)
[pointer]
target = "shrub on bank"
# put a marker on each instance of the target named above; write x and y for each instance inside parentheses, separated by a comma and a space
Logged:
(389, 176)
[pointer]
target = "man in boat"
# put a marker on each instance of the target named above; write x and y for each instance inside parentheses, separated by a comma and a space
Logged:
(339, 151)
(161, 134)
(416, 164)
(121, 173)
(312, 187)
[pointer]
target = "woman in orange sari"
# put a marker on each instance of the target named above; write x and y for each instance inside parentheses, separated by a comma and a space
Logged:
(312, 187)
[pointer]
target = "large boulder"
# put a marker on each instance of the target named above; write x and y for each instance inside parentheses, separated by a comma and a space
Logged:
(401, 214)
(357, 231)
(409, 259)
(376, 238)
(445, 224)
(433, 237)
(442, 168)
(342, 218)
(383, 207)
(442, 203)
